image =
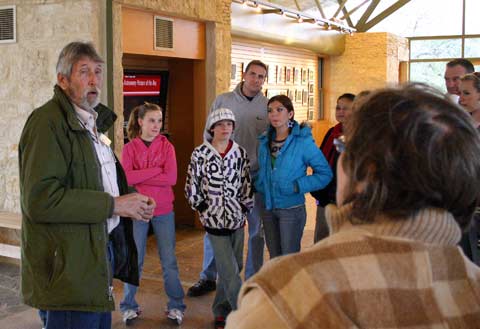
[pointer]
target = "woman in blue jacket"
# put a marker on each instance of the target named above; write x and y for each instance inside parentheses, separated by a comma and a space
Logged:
(286, 150)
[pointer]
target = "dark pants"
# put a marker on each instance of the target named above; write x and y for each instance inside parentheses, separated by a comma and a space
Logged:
(469, 241)
(78, 320)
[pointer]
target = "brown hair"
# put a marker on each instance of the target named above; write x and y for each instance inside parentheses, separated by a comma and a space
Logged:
(465, 63)
(348, 96)
(133, 127)
(410, 148)
(284, 100)
(474, 77)
(256, 62)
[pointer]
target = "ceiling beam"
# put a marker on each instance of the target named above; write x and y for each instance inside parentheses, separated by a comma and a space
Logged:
(320, 9)
(298, 5)
(366, 15)
(346, 16)
(341, 4)
(384, 14)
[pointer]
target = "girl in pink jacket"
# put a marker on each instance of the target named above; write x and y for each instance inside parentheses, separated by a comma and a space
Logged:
(150, 164)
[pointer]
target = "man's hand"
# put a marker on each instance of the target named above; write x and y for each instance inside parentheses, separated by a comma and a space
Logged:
(134, 205)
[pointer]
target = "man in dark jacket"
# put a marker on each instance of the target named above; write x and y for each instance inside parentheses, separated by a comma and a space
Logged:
(76, 210)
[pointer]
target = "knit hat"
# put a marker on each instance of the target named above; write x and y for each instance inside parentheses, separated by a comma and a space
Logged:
(216, 116)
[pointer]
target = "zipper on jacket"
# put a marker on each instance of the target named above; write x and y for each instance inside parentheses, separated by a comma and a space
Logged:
(108, 263)
(105, 226)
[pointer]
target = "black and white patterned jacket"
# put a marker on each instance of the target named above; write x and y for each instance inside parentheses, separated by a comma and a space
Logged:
(220, 189)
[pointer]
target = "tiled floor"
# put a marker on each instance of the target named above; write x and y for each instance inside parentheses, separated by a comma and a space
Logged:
(151, 295)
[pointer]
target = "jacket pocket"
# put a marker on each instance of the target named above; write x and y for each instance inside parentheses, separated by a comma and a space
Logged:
(287, 188)
(57, 266)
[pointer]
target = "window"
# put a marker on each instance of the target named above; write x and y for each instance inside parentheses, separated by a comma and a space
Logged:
(472, 25)
(472, 47)
(435, 48)
(459, 38)
(430, 73)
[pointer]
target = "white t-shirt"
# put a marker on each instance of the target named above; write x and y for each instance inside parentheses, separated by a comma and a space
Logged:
(105, 157)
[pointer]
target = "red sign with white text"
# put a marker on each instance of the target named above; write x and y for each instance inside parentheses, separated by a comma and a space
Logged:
(141, 85)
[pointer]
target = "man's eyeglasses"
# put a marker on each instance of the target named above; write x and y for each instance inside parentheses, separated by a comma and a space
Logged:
(339, 144)
(279, 109)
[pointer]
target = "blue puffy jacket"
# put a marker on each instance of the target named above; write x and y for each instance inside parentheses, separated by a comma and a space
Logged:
(284, 184)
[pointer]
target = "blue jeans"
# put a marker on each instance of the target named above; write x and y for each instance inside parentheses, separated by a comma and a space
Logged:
(79, 319)
(164, 229)
(256, 245)
(228, 251)
(284, 230)
(43, 317)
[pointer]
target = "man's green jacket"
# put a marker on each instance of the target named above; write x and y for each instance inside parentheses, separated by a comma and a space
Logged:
(65, 265)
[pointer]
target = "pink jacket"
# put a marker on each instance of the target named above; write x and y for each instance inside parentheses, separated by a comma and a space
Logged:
(152, 170)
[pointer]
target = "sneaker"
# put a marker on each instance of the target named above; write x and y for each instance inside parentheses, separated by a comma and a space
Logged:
(201, 288)
(129, 316)
(219, 322)
(175, 315)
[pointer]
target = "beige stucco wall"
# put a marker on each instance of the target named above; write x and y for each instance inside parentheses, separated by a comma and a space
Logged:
(27, 71)
(216, 14)
(370, 61)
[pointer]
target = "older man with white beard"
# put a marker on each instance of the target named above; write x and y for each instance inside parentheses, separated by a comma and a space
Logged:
(76, 211)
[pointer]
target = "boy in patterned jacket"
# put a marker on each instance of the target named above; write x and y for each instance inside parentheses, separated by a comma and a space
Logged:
(218, 186)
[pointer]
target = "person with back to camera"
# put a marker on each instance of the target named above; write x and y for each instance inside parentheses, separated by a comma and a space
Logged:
(286, 150)
(151, 167)
(218, 186)
(324, 196)
(407, 184)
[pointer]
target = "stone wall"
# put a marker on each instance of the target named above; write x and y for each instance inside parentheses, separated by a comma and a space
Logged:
(27, 71)
(370, 61)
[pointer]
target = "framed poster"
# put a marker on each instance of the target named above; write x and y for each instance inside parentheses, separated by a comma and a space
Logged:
(296, 75)
(288, 75)
(275, 92)
(304, 97)
(271, 74)
(280, 74)
(304, 76)
(311, 75)
(310, 114)
(233, 72)
(310, 101)
(290, 94)
(311, 88)
(298, 96)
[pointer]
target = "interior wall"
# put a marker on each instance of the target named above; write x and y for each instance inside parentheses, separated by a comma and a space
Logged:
(181, 124)
(27, 71)
(370, 61)
(214, 16)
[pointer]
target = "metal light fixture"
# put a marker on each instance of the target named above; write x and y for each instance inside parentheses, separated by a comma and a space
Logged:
(301, 17)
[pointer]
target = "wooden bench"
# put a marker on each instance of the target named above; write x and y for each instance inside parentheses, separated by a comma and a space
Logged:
(12, 221)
